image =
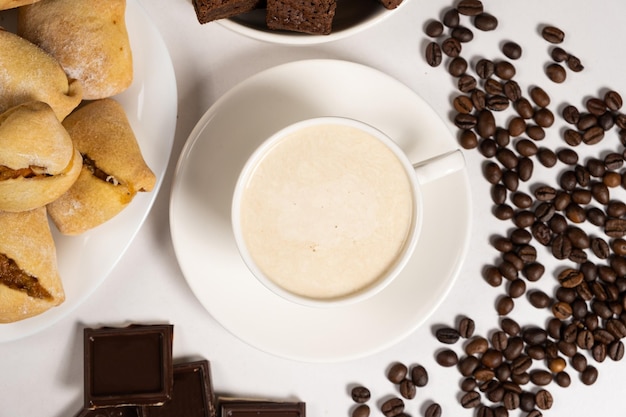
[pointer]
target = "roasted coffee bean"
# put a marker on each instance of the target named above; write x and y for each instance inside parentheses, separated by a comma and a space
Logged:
(517, 126)
(510, 400)
(495, 395)
(544, 117)
(511, 258)
(558, 54)
(575, 213)
(485, 22)
(466, 83)
(554, 328)
(360, 394)
(463, 104)
(393, 407)
(589, 375)
(468, 364)
(583, 178)
(504, 212)
(483, 375)
(578, 237)
(543, 399)
(497, 102)
(433, 410)
(539, 299)
(470, 7)
(493, 86)
(526, 147)
(600, 192)
(579, 362)
(493, 172)
(512, 50)
(587, 121)
(534, 271)
(468, 139)
(504, 70)
(397, 372)
(606, 121)
(503, 138)
(593, 135)
(434, 28)
(510, 326)
(457, 66)
(407, 389)
(544, 211)
(613, 161)
(616, 327)
(545, 193)
(499, 193)
(571, 114)
(595, 167)
(598, 352)
(527, 253)
(433, 54)
(511, 179)
(563, 379)
(504, 305)
(568, 180)
(585, 339)
(618, 264)
(567, 156)
(572, 137)
(524, 108)
(362, 410)
(527, 401)
(499, 341)
(561, 247)
(613, 100)
(600, 248)
(595, 106)
(556, 73)
(512, 90)
(466, 327)
(615, 227)
(541, 233)
(612, 179)
(570, 278)
(540, 377)
(567, 295)
(470, 399)
(465, 121)
(447, 335)
(556, 364)
(451, 47)
(451, 18)
(479, 99)
(535, 132)
(574, 63)
(492, 358)
(539, 97)
(514, 349)
(562, 199)
(447, 358)
(603, 336)
(619, 246)
(419, 376)
(525, 167)
(484, 68)
(517, 288)
(507, 158)
(552, 34)
(462, 34)
(477, 346)
(521, 200)
(524, 218)
(567, 348)
(534, 335)
(500, 411)
(486, 127)
(615, 350)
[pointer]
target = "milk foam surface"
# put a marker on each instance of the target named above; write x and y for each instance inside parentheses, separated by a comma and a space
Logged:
(327, 211)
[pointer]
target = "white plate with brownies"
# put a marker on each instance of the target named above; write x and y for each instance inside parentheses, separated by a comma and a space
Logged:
(202, 194)
(104, 203)
(295, 22)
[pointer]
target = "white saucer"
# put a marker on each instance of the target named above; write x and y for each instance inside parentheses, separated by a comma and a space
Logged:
(201, 198)
(150, 103)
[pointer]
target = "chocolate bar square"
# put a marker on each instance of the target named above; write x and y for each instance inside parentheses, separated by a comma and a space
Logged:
(308, 16)
(128, 365)
(209, 10)
(192, 395)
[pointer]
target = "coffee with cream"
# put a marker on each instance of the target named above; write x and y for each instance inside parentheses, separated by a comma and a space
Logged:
(327, 211)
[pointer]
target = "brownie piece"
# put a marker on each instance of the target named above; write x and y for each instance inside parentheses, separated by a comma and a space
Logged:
(308, 16)
(209, 10)
(390, 4)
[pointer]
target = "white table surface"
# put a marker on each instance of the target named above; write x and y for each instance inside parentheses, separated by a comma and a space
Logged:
(42, 375)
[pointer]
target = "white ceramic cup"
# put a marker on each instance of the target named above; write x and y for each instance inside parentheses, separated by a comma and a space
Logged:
(328, 211)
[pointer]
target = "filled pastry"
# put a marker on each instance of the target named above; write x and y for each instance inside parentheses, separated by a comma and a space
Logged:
(28, 73)
(113, 168)
(29, 279)
(38, 161)
(87, 37)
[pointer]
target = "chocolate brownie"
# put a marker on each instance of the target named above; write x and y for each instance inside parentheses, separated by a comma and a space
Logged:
(390, 4)
(308, 16)
(209, 10)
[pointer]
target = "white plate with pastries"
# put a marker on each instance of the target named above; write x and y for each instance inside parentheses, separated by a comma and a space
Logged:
(150, 103)
(200, 211)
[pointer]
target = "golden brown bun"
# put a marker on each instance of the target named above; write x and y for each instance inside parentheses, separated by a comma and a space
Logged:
(87, 37)
(37, 157)
(102, 134)
(26, 240)
(27, 73)
(12, 4)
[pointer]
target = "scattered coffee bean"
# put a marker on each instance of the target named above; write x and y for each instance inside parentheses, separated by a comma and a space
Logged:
(447, 358)
(466, 327)
(433, 54)
(457, 66)
(589, 375)
(543, 399)
(462, 34)
(470, 7)
(556, 73)
(393, 407)
(451, 18)
(451, 47)
(408, 389)
(574, 63)
(470, 399)
(447, 335)
(360, 394)
(512, 50)
(553, 34)
(504, 305)
(613, 100)
(362, 410)
(434, 28)
(397, 372)
(419, 376)
(433, 410)
(504, 69)
(558, 54)
(485, 22)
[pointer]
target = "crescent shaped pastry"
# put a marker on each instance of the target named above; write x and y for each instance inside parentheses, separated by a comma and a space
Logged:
(113, 168)
(38, 162)
(27, 73)
(87, 37)
(29, 279)
(12, 4)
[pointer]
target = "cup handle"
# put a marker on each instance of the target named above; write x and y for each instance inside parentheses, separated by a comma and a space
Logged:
(439, 166)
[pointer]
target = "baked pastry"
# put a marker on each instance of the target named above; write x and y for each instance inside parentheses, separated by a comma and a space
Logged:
(87, 37)
(27, 73)
(38, 162)
(308, 16)
(29, 278)
(390, 4)
(113, 168)
(209, 10)
(12, 4)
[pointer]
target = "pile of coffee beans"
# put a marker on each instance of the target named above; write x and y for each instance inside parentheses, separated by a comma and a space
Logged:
(578, 221)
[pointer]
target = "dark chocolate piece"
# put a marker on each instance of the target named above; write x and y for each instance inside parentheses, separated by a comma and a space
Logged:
(308, 16)
(111, 412)
(209, 10)
(243, 408)
(192, 395)
(128, 365)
